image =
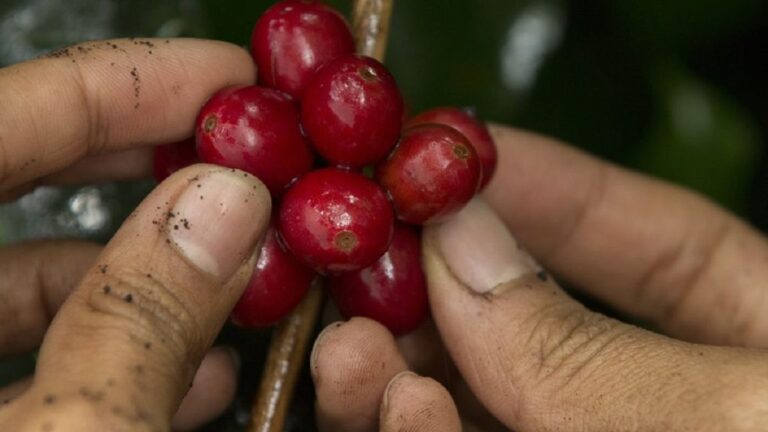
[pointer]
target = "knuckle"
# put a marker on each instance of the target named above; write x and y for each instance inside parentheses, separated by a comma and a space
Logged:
(96, 129)
(150, 311)
(570, 346)
(592, 198)
(571, 343)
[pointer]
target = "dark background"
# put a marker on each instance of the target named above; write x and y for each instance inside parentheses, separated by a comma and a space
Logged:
(676, 89)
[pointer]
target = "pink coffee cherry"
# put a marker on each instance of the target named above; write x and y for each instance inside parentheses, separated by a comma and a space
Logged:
(393, 291)
(470, 127)
(170, 158)
(293, 38)
(257, 130)
(336, 220)
(352, 111)
(433, 172)
(278, 283)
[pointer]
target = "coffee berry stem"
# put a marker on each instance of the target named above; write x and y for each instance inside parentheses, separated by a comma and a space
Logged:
(370, 26)
(287, 351)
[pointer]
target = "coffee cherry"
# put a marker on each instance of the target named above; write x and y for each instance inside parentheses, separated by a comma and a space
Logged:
(393, 291)
(257, 130)
(352, 111)
(170, 158)
(470, 127)
(336, 220)
(433, 172)
(278, 283)
(293, 38)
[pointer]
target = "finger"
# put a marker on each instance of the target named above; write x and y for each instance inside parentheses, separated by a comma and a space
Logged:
(35, 279)
(122, 165)
(421, 349)
(413, 403)
(123, 349)
(540, 361)
(102, 97)
(351, 365)
(14, 390)
(118, 166)
(212, 391)
(647, 247)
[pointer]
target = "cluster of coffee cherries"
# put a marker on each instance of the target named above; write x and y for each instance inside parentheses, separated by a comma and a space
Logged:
(351, 177)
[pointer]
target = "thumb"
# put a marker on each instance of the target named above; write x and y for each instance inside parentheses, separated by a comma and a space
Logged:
(538, 360)
(122, 351)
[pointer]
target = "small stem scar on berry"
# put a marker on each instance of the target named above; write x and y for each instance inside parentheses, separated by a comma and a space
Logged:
(346, 241)
(210, 123)
(460, 151)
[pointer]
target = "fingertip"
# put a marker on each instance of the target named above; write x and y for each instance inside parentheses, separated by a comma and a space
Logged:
(238, 61)
(319, 347)
(417, 403)
(351, 367)
(346, 351)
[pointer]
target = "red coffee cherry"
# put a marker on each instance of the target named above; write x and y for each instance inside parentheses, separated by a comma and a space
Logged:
(336, 220)
(433, 172)
(257, 130)
(293, 38)
(393, 291)
(278, 283)
(470, 127)
(170, 158)
(352, 111)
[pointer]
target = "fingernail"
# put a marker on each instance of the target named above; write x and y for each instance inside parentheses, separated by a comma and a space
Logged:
(217, 221)
(313, 357)
(397, 379)
(479, 249)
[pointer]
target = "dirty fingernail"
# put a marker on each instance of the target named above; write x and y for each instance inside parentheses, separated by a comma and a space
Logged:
(218, 220)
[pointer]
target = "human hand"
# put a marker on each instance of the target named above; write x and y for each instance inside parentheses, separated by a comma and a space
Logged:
(533, 357)
(124, 348)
